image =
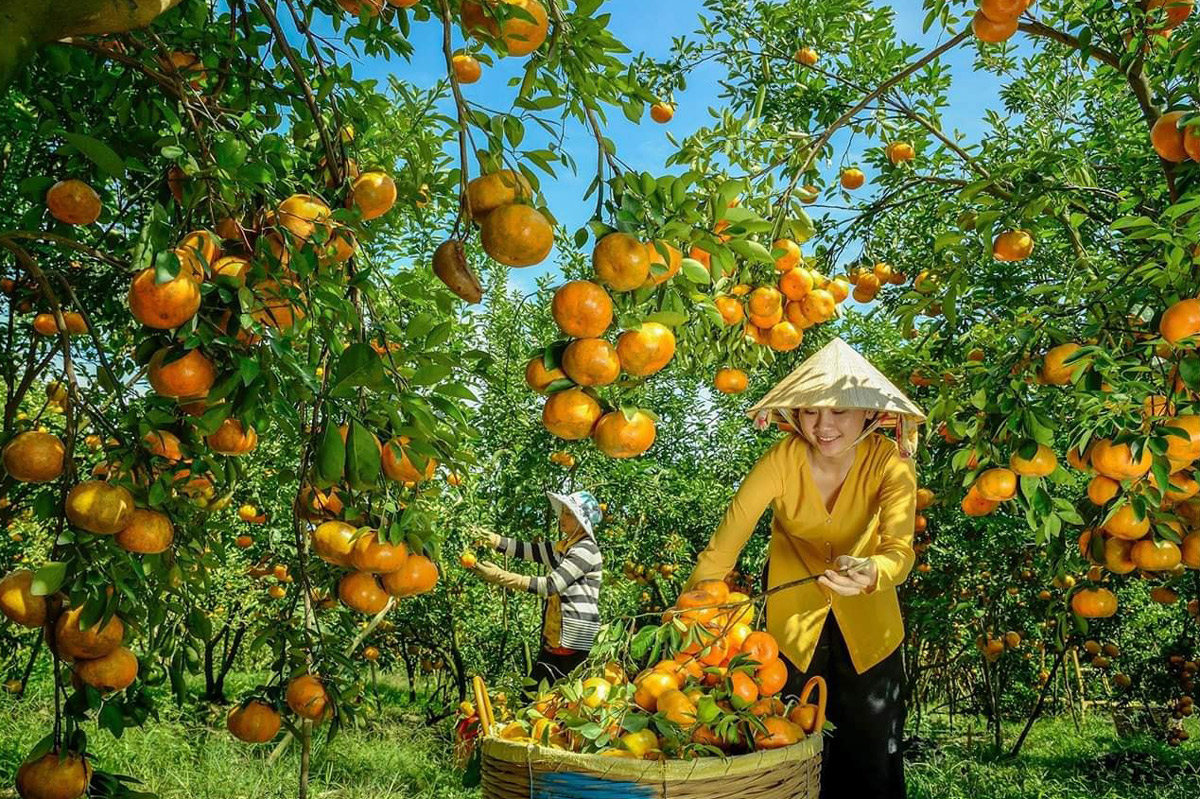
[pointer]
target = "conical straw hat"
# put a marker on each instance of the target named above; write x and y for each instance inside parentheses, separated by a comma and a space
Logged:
(836, 376)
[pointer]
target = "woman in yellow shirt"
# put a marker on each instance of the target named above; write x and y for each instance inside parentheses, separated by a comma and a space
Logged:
(844, 502)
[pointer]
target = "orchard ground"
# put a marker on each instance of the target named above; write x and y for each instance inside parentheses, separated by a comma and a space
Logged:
(188, 754)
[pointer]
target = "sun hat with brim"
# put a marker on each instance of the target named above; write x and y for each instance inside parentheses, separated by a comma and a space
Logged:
(836, 376)
(582, 505)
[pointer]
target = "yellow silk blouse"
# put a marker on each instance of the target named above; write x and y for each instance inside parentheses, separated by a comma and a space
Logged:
(872, 516)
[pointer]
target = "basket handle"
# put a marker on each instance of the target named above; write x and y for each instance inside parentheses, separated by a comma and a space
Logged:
(813, 684)
(483, 704)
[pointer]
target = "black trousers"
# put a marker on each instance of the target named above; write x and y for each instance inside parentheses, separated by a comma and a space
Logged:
(862, 758)
(551, 667)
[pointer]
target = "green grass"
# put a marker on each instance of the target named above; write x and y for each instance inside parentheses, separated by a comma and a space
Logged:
(189, 755)
(1057, 762)
(394, 755)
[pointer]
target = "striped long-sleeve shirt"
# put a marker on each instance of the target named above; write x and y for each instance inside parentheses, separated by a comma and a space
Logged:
(573, 584)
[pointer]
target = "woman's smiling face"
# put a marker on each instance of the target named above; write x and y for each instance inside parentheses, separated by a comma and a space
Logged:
(832, 430)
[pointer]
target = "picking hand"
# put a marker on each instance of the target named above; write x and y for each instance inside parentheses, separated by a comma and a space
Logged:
(493, 574)
(485, 539)
(859, 577)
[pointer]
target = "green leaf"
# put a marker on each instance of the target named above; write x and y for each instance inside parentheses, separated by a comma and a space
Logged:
(802, 226)
(694, 271)
(359, 365)
(48, 579)
(362, 458)
(331, 456)
(668, 318)
(230, 151)
(200, 625)
(99, 153)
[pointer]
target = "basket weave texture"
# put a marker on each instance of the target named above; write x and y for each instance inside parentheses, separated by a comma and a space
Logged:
(527, 771)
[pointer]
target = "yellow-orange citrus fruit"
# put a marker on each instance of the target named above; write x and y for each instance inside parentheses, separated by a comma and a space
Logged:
(1012, 245)
(538, 377)
(370, 554)
(790, 256)
(1094, 603)
(1116, 460)
(671, 265)
(582, 309)
(373, 194)
(997, 485)
(149, 532)
(1167, 138)
(74, 202)
(591, 362)
(517, 235)
(94, 642)
(466, 68)
(488, 192)
(1042, 463)
(784, 337)
(806, 56)
(1125, 524)
(900, 151)
(521, 34)
(1101, 489)
(99, 507)
(417, 576)
(45, 324)
(1002, 10)
(50, 777)
(231, 269)
(333, 541)
(619, 437)
(818, 306)
(1180, 321)
(621, 261)
(204, 245)
(307, 698)
(571, 414)
(34, 457)
(1054, 371)
(730, 381)
(302, 214)
(361, 591)
(645, 350)
(115, 671)
(987, 30)
(852, 178)
(662, 112)
(253, 722)
(17, 601)
(397, 465)
(233, 438)
(1156, 556)
(187, 377)
(730, 309)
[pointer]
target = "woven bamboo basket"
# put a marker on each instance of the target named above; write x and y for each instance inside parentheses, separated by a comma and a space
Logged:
(527, 771)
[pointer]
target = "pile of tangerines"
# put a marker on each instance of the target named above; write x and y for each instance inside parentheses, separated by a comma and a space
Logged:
(715, 691)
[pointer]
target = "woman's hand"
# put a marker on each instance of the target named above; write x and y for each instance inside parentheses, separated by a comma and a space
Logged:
(861, 575)
(484, 538)
(493, 574)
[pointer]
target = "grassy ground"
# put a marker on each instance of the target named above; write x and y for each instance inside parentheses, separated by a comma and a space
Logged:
(1057, 762)
(190, 756)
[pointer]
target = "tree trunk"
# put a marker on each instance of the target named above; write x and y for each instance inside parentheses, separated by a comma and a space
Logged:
(1037, 709)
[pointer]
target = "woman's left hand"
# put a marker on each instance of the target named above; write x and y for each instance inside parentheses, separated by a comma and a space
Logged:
(860, 577)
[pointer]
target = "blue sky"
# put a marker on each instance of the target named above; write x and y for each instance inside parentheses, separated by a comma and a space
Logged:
(647, 26)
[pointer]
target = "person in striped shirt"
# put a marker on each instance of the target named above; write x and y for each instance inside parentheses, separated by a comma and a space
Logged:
(571, 587)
